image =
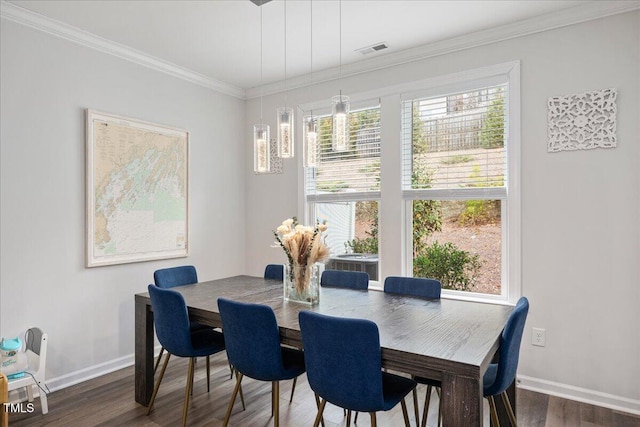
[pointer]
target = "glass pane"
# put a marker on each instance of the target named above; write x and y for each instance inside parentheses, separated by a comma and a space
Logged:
(458, 140)
(355, 169)
(459, 243)
(352, 235)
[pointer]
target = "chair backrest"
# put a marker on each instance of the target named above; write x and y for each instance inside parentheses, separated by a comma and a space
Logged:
(274, 271)
(414, 286)
(509, 348)
(343, 360)
(345, 279)
(252, 339)
(36, 348)
(175, 276)
(171, 319)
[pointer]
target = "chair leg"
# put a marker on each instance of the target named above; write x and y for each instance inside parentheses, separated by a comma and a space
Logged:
(208, 374)
(193, 373)
(319, 417)
(293, 388)
(155, 390)
(241, 395)
(188, 391)
(416, 411)
(425, 411)
(494, 413)
(233, 398)
(230, 369)
(276, 404)
(507, 403)
(30, 392)
(43, 400)
(355, 419)
(318, 406)
(348, 417)
(155, 368)
(405, 413)
(374, 422)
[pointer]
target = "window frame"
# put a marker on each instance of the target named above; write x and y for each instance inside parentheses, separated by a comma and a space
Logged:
(511, 287)
(391, 171)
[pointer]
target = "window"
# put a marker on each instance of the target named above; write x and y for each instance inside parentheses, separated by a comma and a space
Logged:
(344, 190)
(456, 185)
(441, 198)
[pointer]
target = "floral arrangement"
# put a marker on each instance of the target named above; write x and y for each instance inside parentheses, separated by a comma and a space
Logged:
(303, 246)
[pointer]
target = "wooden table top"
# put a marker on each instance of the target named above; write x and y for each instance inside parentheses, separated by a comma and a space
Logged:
(441, 332)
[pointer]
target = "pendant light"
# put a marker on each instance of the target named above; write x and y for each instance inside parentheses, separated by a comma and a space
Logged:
(340, 109)
(310, 137)
(285, 114)
(261, 141)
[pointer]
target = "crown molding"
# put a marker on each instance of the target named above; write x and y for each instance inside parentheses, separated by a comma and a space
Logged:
(575, 15)
(563, 18)
(56, 28)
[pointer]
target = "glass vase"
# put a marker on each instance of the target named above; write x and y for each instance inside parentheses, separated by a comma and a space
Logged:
(302, 283)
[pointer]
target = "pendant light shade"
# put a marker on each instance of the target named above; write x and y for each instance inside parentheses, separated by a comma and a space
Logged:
(261, 152)
(312, 148)
(340, 112)
(285, 132)
(285, 114)
(340, 109)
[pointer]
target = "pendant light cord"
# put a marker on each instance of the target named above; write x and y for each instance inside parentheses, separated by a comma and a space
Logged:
(311, 50)
(340, 47)
(261, 88)
(285, 54)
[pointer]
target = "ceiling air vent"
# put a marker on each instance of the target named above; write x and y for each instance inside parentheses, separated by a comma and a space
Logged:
(373, 48)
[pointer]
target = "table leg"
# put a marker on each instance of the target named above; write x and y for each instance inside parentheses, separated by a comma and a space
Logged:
(143, 351)
(461, 401)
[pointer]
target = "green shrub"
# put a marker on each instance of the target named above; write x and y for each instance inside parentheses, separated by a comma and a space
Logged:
(454, 268)
(368, 245)
(478, 212)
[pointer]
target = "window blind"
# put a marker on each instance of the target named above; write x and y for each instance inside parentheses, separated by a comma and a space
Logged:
(354, 173)
(456, 143)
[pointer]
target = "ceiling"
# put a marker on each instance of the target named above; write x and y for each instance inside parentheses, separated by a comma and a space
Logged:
(221, 39)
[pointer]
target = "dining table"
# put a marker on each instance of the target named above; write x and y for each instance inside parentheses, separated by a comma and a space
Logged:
(448, 340)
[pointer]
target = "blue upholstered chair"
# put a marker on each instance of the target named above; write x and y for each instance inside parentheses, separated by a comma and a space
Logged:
(344, 366)
(167, 278)
(499, 376)
(345, 279)
(423, 288)
(174, 332)
(413, 286)
(253, 345)
(274, 271)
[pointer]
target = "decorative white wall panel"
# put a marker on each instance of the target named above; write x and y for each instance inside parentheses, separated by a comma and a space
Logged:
(582, 121)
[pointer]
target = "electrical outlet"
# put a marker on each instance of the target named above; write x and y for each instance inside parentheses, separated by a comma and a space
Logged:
(537, 337)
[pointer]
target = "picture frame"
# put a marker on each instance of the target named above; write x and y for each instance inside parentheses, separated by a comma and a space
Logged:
(137, 190)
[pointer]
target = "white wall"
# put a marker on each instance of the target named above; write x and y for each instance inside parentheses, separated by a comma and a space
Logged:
(46, 85)
(580, 210)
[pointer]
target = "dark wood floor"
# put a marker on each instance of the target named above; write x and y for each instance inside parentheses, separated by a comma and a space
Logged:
(109, 401)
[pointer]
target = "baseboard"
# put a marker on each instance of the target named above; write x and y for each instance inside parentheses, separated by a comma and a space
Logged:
(592, 397)
(92, 372)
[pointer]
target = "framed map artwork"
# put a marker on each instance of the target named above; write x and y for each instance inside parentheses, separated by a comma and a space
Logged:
(137, 190)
